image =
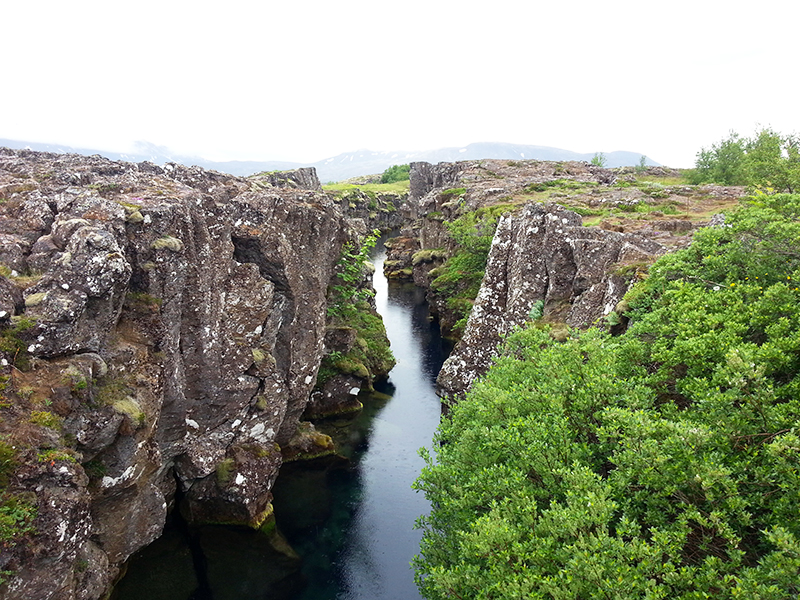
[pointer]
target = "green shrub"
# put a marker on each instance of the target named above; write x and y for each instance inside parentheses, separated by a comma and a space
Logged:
(396, 173)
(45, 419)
(660, 463)
(51, 455)
(224, 471)
(347, 292)
(599, 159)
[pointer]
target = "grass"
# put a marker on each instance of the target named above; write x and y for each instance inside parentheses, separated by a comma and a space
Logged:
(398, 187)
(667, 180)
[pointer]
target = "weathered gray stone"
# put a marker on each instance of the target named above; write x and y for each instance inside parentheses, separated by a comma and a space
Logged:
(179, 343)
(541, 254)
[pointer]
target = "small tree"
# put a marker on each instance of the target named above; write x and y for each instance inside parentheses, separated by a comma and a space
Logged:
(599, 159)
(767, 160)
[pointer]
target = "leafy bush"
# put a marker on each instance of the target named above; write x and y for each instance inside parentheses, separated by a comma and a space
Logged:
(396, 173)
(45, 418)
(661, 463)
(347, 291)
(17, 513)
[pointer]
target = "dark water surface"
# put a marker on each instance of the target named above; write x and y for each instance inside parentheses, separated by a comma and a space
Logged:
(350, 520)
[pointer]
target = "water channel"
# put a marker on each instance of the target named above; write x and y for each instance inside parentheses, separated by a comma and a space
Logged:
(351, 521)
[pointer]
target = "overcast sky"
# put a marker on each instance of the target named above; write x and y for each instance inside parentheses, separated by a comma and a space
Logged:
(306, 80)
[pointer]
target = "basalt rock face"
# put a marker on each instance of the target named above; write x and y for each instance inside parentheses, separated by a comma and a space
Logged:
(543, 255)
(440, 194)
(377, 210)
(178, 325)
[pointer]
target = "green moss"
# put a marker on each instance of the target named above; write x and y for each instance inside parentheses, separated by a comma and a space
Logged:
(428, 256)
(35, 299)
(351, 366)
(129, 406)
(400, 273)
(168, 243)
(45, 418)
(224, 471)
(393, 264)
(453, 192)
(370, 356)
(109, 390)
(142, 302)
(268, 524)
(134, 217)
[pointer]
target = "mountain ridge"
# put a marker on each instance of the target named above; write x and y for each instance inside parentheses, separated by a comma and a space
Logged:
(348, 164)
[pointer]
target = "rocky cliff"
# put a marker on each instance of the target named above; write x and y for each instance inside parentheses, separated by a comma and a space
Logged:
(505, 242)
(162, 328)
(543, 262)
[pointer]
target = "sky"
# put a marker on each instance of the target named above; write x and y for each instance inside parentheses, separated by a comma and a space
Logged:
(306, 80)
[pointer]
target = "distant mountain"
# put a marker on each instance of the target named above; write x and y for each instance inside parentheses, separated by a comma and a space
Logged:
(349, 164)
(366, 162)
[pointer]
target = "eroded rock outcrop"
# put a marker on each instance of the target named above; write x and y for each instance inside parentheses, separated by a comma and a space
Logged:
(544, 255)
(172, 321)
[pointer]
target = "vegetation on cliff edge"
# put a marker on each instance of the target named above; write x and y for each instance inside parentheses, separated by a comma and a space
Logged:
(459, 278)
(348, 306)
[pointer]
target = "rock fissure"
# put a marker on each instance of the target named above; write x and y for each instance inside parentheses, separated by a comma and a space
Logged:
(177, 328)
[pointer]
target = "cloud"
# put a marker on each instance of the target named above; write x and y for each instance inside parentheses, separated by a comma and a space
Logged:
(302, 81)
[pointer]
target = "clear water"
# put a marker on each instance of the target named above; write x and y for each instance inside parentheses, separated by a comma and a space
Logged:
(350, 519)
(363, 547)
